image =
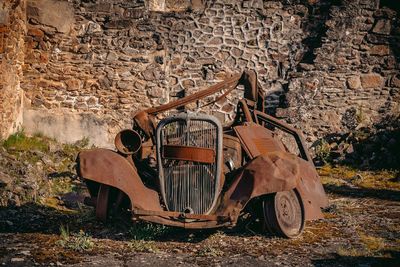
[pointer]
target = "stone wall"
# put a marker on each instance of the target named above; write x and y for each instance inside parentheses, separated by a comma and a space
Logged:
(352, 79)
(12, 33)
(114, 57)
(326, 66)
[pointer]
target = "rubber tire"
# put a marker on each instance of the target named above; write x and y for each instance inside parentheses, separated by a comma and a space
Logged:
(284, 214)
(102, 202)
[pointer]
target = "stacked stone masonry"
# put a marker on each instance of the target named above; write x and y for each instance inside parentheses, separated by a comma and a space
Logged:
(12, 34)
(96, 62)
(353, 81)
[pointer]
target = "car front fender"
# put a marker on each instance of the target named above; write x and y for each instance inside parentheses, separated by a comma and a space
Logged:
(275, 172)
(108, 167)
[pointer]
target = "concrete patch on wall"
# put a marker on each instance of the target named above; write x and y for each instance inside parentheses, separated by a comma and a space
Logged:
(68, 127)
(11, 97)
(3, 15)
(18, 111)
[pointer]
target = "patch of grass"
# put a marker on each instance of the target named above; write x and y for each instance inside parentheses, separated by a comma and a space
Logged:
(58, 205)
(338, 175)
(76, 241)
(86, 215)
(360, 116)
(210, 251)
(342, 172)
(335, 175)
(379, 180)
(323, 150)
(61, 186)
(21, 142)
(73, 149)
(142, 246)
(371, 243)
(52, 202)
(351, 252)
(217, 236)
(147, 231)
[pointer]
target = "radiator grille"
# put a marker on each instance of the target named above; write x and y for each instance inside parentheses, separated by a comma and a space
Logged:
(186, 185)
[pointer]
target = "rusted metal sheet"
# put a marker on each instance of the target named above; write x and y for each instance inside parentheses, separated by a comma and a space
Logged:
(107, 167)
(196, 154)
(267, 173)
(257, 140)
(232, 152)
(128, 142)
(197, 224)
(275, 172)
(312, 193)
(262, 118)
(229, 83)
(203, 179)
(181, 215)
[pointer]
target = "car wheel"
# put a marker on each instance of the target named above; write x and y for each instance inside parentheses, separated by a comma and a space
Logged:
(102, 202)
(284, 214)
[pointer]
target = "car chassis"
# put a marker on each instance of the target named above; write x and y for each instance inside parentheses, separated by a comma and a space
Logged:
(189, 171)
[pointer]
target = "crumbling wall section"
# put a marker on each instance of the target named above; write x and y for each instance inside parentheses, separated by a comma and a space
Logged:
(12, 33)
(352, 78)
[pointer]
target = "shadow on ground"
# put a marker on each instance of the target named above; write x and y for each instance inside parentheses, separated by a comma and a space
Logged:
(40, 219)
(339, 260)
(357, 192)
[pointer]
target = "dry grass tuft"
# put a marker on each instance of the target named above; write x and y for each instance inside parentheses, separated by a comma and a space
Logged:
(371, 243)
(351, 252)
(339, 175)
(210, 251)
(143, 246)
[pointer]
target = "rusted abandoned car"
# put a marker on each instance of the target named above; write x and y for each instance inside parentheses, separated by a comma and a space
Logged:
(189, 171)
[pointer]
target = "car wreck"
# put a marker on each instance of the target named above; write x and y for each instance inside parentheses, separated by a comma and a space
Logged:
(190, 171)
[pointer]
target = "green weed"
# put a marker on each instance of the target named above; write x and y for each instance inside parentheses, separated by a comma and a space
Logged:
(20, 142)
(323, 150)
(75, 147)
(142, 246)
(76, 241)
(147, 231)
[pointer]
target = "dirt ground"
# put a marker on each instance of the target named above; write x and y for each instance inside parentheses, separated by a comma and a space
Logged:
(361, 228)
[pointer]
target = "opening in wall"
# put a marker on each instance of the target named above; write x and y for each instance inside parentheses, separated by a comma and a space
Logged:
(395, 5)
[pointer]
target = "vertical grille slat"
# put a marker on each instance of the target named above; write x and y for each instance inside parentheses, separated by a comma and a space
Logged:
(186, 184)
